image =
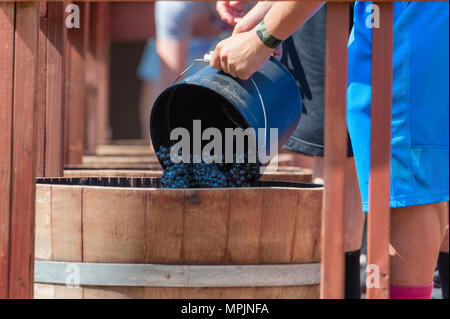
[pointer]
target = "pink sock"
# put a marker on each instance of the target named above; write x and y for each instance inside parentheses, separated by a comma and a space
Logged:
(418, 292)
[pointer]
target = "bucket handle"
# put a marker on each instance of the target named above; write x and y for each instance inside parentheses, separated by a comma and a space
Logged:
(207, 58)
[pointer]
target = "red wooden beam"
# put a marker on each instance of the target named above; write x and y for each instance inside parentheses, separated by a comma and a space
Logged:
(41, 90)
(21, 268)
(335, 134)
(76, 88)
(7, 18)
(102, 61)
(54, 132)
(92, 79)
(380, 155)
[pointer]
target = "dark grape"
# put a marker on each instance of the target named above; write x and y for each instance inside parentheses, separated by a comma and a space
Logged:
(203, 175)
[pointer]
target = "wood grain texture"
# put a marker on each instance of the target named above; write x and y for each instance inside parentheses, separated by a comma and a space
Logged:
(120, 160)
(335, 137)
(163, 240)
(116, 217)
(43, 242)
(97, 72)
(7, 19)
(66, 204)
(380, 151)
(41, 90)
(121, 150)
(195, 227)
(205, 223)
(299, 292)
(24, 151)
(75, 114)
(113, 173)
(102, 60)
(91, 80)
(54, 115)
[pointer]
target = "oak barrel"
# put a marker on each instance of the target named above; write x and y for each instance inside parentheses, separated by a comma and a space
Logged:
(284, 173)
(127, 238)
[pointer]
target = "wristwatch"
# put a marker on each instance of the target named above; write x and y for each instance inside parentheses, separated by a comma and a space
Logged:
(265, 36)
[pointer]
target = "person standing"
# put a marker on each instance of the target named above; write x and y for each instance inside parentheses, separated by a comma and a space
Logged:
(419, 185)
(303, 54)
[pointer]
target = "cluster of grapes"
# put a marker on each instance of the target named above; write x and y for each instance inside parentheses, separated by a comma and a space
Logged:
(207, 175)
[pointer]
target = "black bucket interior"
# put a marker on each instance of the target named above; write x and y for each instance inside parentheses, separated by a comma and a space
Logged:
(148, 182)
(180, 105)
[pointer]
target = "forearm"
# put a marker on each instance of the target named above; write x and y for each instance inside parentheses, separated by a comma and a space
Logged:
(284, 17)
(253, 17)
(262, 7)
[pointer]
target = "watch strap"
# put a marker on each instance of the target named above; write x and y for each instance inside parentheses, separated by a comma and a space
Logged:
(266, 37)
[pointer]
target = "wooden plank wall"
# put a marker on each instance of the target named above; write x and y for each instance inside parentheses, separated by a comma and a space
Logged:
(18, 83)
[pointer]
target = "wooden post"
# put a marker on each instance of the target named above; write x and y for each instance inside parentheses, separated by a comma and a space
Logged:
(41, 93)
(380, 155)
(103, 29)
(23, 168)
(7, 19)
(76, 88)
(97, 118)
(50, 93)
(54, 128)
(333, 263)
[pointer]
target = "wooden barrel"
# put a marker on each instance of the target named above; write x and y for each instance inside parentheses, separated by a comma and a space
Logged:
(111, 172)
(131, 239)
(125, 148)
(284, 173)
(283, 159)
(130, 161)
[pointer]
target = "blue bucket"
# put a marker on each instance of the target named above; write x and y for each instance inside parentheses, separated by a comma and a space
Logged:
(269, 99)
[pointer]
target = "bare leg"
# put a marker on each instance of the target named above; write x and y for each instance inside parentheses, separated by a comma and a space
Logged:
(173, 54)
(444, 245)
(416, 235)
(443, 264)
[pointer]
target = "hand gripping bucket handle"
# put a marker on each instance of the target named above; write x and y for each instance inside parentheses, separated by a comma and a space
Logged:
(207, 59)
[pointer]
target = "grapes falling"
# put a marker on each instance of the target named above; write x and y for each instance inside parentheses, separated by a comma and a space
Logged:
(207, 175)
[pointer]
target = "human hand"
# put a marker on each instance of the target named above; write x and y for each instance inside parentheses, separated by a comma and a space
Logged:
(230, 11)
(240, 55)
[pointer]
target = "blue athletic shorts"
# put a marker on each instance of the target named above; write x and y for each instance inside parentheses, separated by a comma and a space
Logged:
(420, 105)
